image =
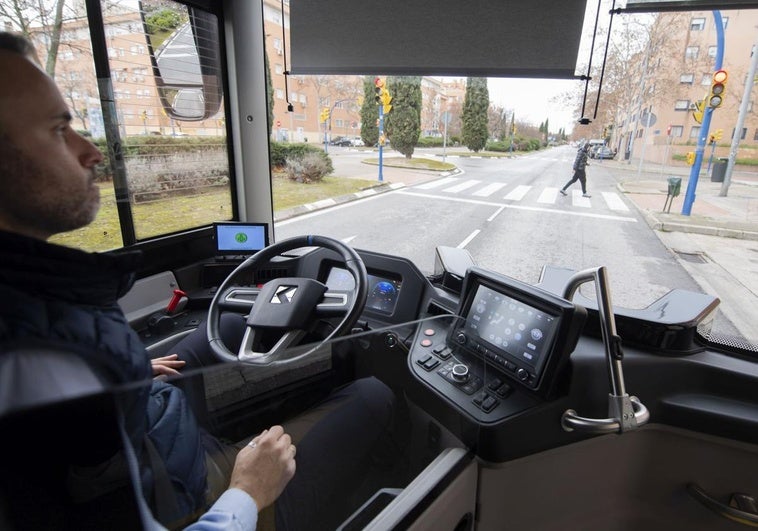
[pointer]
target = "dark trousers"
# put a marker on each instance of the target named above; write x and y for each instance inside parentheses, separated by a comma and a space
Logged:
(336, 442)
(581, 176)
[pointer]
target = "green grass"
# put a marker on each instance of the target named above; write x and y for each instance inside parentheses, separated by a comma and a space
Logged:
(177, 213)
(416, 164)
(288, 194)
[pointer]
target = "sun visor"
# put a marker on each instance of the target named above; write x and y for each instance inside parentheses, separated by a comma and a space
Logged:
(535, 39)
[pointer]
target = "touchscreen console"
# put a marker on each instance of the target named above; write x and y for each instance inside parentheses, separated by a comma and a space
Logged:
(524, 331)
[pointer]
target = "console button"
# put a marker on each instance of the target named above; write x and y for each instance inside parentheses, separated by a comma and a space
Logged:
(504, 390)
(429, 332)
(522, 375)
(426, 342)
(494, 384)
(431, 363)
(489, 403)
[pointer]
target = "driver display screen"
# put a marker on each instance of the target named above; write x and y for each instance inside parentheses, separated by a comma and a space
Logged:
(383, 293)
(512, 326)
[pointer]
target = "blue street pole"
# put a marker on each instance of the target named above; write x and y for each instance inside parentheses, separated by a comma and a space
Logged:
(689, 196)
(381, 144)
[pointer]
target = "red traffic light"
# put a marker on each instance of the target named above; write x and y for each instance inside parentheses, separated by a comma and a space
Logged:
(718, 86)
(378, 82)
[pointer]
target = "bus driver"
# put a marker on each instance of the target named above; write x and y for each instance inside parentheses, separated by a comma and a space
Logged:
(65, 295)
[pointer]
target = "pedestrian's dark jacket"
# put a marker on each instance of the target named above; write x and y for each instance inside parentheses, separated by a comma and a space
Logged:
(580, 163)
(69, 297)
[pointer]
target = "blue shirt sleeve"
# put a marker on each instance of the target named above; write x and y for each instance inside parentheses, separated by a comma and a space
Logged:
(235, 510)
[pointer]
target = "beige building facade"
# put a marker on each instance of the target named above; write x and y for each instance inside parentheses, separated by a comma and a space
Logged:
(678, 72)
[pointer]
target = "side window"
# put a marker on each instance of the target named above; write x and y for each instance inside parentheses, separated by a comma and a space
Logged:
(166, 129)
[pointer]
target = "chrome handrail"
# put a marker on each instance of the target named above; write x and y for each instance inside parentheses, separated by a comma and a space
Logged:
(625, 412)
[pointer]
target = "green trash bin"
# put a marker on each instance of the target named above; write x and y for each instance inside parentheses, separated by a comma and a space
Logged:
(675, 186)
(719, 170)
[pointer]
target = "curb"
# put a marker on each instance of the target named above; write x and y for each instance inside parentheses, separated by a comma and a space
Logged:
(672, 226)
(334, 201)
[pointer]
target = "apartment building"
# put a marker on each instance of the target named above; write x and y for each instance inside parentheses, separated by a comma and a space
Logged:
(676, 71)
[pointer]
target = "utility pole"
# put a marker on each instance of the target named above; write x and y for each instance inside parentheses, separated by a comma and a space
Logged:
(740, 122)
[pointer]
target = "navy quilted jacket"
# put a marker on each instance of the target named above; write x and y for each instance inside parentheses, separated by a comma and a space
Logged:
(56, 293)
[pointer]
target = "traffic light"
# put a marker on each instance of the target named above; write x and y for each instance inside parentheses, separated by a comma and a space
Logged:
(718, 86)
(697, 112)
(385, 99)
(324, 116)
(718, 133)
(378, 88)
(690, 158)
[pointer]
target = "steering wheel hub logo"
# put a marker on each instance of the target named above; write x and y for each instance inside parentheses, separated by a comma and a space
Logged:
(284, 295)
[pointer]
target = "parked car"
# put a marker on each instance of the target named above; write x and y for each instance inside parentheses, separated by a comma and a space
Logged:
(603, 152)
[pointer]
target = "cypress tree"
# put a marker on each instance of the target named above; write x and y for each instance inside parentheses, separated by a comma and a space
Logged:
(475, 105)
(369, 113)
(403, 123)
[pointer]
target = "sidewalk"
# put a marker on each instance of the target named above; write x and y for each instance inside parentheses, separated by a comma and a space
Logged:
(717, 243)
(733, 216)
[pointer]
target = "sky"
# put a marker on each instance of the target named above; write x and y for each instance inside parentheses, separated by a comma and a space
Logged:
(534, 100)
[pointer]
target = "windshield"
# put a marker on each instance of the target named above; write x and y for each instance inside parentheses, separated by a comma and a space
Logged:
(401, 165)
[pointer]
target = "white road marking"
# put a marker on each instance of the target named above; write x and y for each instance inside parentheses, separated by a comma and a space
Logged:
(436, 184)
(614, 202)
(548, 195)
(489, 190)
(578, 201)
(518, 193)
(461, 186)
(516, 207)
(470, 237)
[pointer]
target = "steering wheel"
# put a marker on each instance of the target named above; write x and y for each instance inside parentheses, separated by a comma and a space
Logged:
(286, 308)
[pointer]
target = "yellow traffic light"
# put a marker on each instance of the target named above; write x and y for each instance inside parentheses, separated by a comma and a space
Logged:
(697, 113)
(385, 100)
(324, 116)
(718, 133)
(690, 158)
(378, 89)
(718, 86)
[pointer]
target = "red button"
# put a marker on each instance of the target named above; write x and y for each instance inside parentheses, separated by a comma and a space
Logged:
(426, 342)
(429, 332)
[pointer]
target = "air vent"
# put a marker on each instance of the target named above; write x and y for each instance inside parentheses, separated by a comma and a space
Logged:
(435, 309)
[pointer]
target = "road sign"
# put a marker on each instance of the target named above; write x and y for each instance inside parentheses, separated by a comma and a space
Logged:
(648, 119)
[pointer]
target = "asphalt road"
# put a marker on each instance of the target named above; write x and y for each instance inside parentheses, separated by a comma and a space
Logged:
(508, 214)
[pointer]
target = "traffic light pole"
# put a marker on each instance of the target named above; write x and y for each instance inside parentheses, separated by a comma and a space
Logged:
(689, 196)
(381, 143)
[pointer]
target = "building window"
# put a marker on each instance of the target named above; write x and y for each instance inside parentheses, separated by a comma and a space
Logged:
(697, 24)
(687, 78)
(706, 80)
(279, 69)
(744, 133)
(755, 136)
(712, 51)
(682, 105)
(694, 132)
(691, 52)
(279, 94)
(677, 131)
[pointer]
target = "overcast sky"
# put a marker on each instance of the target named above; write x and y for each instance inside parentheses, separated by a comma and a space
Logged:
(534, 100)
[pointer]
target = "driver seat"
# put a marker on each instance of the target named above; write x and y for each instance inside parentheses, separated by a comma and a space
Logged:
(60, 424)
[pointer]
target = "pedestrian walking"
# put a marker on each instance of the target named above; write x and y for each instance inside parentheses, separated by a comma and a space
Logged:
(580, 174)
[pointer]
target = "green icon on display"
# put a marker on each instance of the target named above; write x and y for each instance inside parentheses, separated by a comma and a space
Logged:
(241, 237)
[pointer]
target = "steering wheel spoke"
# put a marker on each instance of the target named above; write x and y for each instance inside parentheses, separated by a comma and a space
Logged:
(238, 299)
(334, 304)
(249, 352)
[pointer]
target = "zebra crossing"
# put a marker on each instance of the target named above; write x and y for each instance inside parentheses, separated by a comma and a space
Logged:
(500, 191)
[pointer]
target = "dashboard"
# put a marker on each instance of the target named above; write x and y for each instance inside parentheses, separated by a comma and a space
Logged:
(383, 291)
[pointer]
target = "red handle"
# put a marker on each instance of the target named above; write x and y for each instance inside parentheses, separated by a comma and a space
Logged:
(174, 302)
